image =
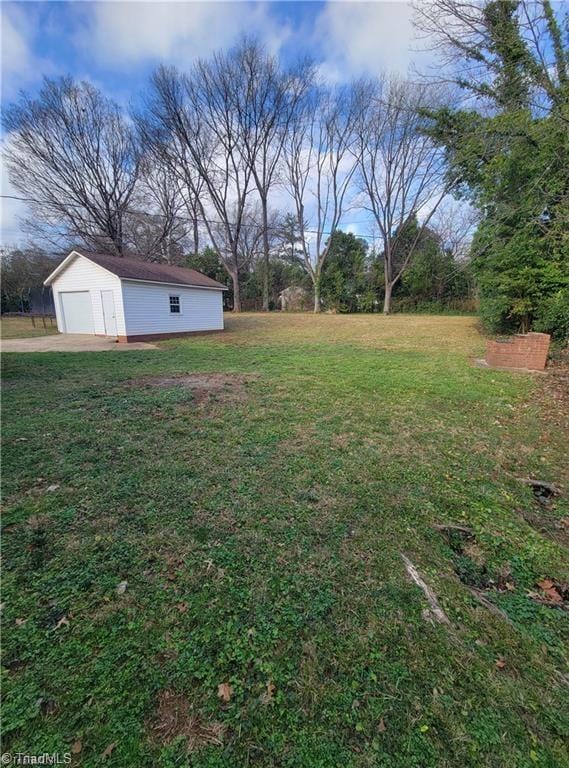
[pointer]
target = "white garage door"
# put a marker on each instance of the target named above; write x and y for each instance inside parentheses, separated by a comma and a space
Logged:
(77, 312)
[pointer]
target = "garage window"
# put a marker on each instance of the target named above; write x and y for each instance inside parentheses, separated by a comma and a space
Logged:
(175, 305)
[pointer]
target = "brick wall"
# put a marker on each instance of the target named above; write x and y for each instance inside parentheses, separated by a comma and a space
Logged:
(521, 351)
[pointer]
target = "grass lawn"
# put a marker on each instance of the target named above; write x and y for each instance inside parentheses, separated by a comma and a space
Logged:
(22, 327)
(207, 570)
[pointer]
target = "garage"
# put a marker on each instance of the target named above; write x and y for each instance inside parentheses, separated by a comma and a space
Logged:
(77, 312)
(130, 299)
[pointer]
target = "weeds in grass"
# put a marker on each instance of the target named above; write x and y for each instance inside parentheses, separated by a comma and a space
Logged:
(260, 535)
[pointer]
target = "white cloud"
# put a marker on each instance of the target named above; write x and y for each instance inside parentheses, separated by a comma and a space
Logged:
(11, 211)
(21, 67)
(364, 38)
(17, 57)
(177, 32)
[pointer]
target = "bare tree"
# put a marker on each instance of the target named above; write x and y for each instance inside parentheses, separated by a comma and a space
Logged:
(401, 171)
(455, 223)
(320, 160)
(252, 237)
(195, 121)
(24, 271)
(156, 222)
(166, 149)
(71, 152)
(267, 102)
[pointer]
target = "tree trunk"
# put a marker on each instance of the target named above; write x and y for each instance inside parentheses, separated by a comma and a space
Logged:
(317, 307)
(196, 236)
(387, 298)
(265, 254)
(236, 294)
(387, 279)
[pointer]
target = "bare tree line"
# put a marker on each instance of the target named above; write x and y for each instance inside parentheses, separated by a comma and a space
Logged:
(203, 156)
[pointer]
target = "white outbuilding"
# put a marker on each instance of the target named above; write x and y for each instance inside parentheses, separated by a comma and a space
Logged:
(133, 300)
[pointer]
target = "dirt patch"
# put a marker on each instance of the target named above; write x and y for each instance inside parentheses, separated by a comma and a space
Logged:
(173, 718)
(220, 386)
(470, 563)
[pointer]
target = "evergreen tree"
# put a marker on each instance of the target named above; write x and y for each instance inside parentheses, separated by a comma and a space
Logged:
(343, 275)
(513, 158)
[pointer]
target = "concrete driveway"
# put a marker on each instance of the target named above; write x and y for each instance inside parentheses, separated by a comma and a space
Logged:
(70, 342)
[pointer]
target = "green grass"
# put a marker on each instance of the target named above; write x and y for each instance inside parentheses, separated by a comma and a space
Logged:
(260, 529)
(23, 328)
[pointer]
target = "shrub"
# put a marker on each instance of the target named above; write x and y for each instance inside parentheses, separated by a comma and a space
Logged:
(552, 315)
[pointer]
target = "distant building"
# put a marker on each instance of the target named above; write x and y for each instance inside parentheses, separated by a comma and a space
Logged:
(294, 299)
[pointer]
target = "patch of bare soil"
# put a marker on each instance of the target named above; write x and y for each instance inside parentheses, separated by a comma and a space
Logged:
(173, 718)
(221, 386)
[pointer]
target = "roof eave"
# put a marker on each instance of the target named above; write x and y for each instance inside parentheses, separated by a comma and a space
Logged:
(177, 285)
(61, 267)
(65, 263)
(74, 254)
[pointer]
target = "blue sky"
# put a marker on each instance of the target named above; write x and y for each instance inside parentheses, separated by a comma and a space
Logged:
(116, 45)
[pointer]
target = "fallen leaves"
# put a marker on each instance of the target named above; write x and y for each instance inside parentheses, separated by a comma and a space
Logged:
(224, 692)
(551, 593)
(174, 718)
(549, 588)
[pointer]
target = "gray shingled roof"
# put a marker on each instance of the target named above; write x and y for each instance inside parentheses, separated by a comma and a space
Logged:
(133, 269)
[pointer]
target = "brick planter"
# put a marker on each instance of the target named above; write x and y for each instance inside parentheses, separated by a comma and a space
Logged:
(527, 351)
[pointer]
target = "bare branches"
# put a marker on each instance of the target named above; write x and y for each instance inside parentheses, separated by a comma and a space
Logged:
(319, 166)
(203, 158)
(402, 174)
(193, 123)
(474, 40)
(73, 152)
(267, 102)
(156, 223)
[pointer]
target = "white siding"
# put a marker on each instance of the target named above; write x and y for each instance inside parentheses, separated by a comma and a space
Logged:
(147, 308)
(83, 275)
